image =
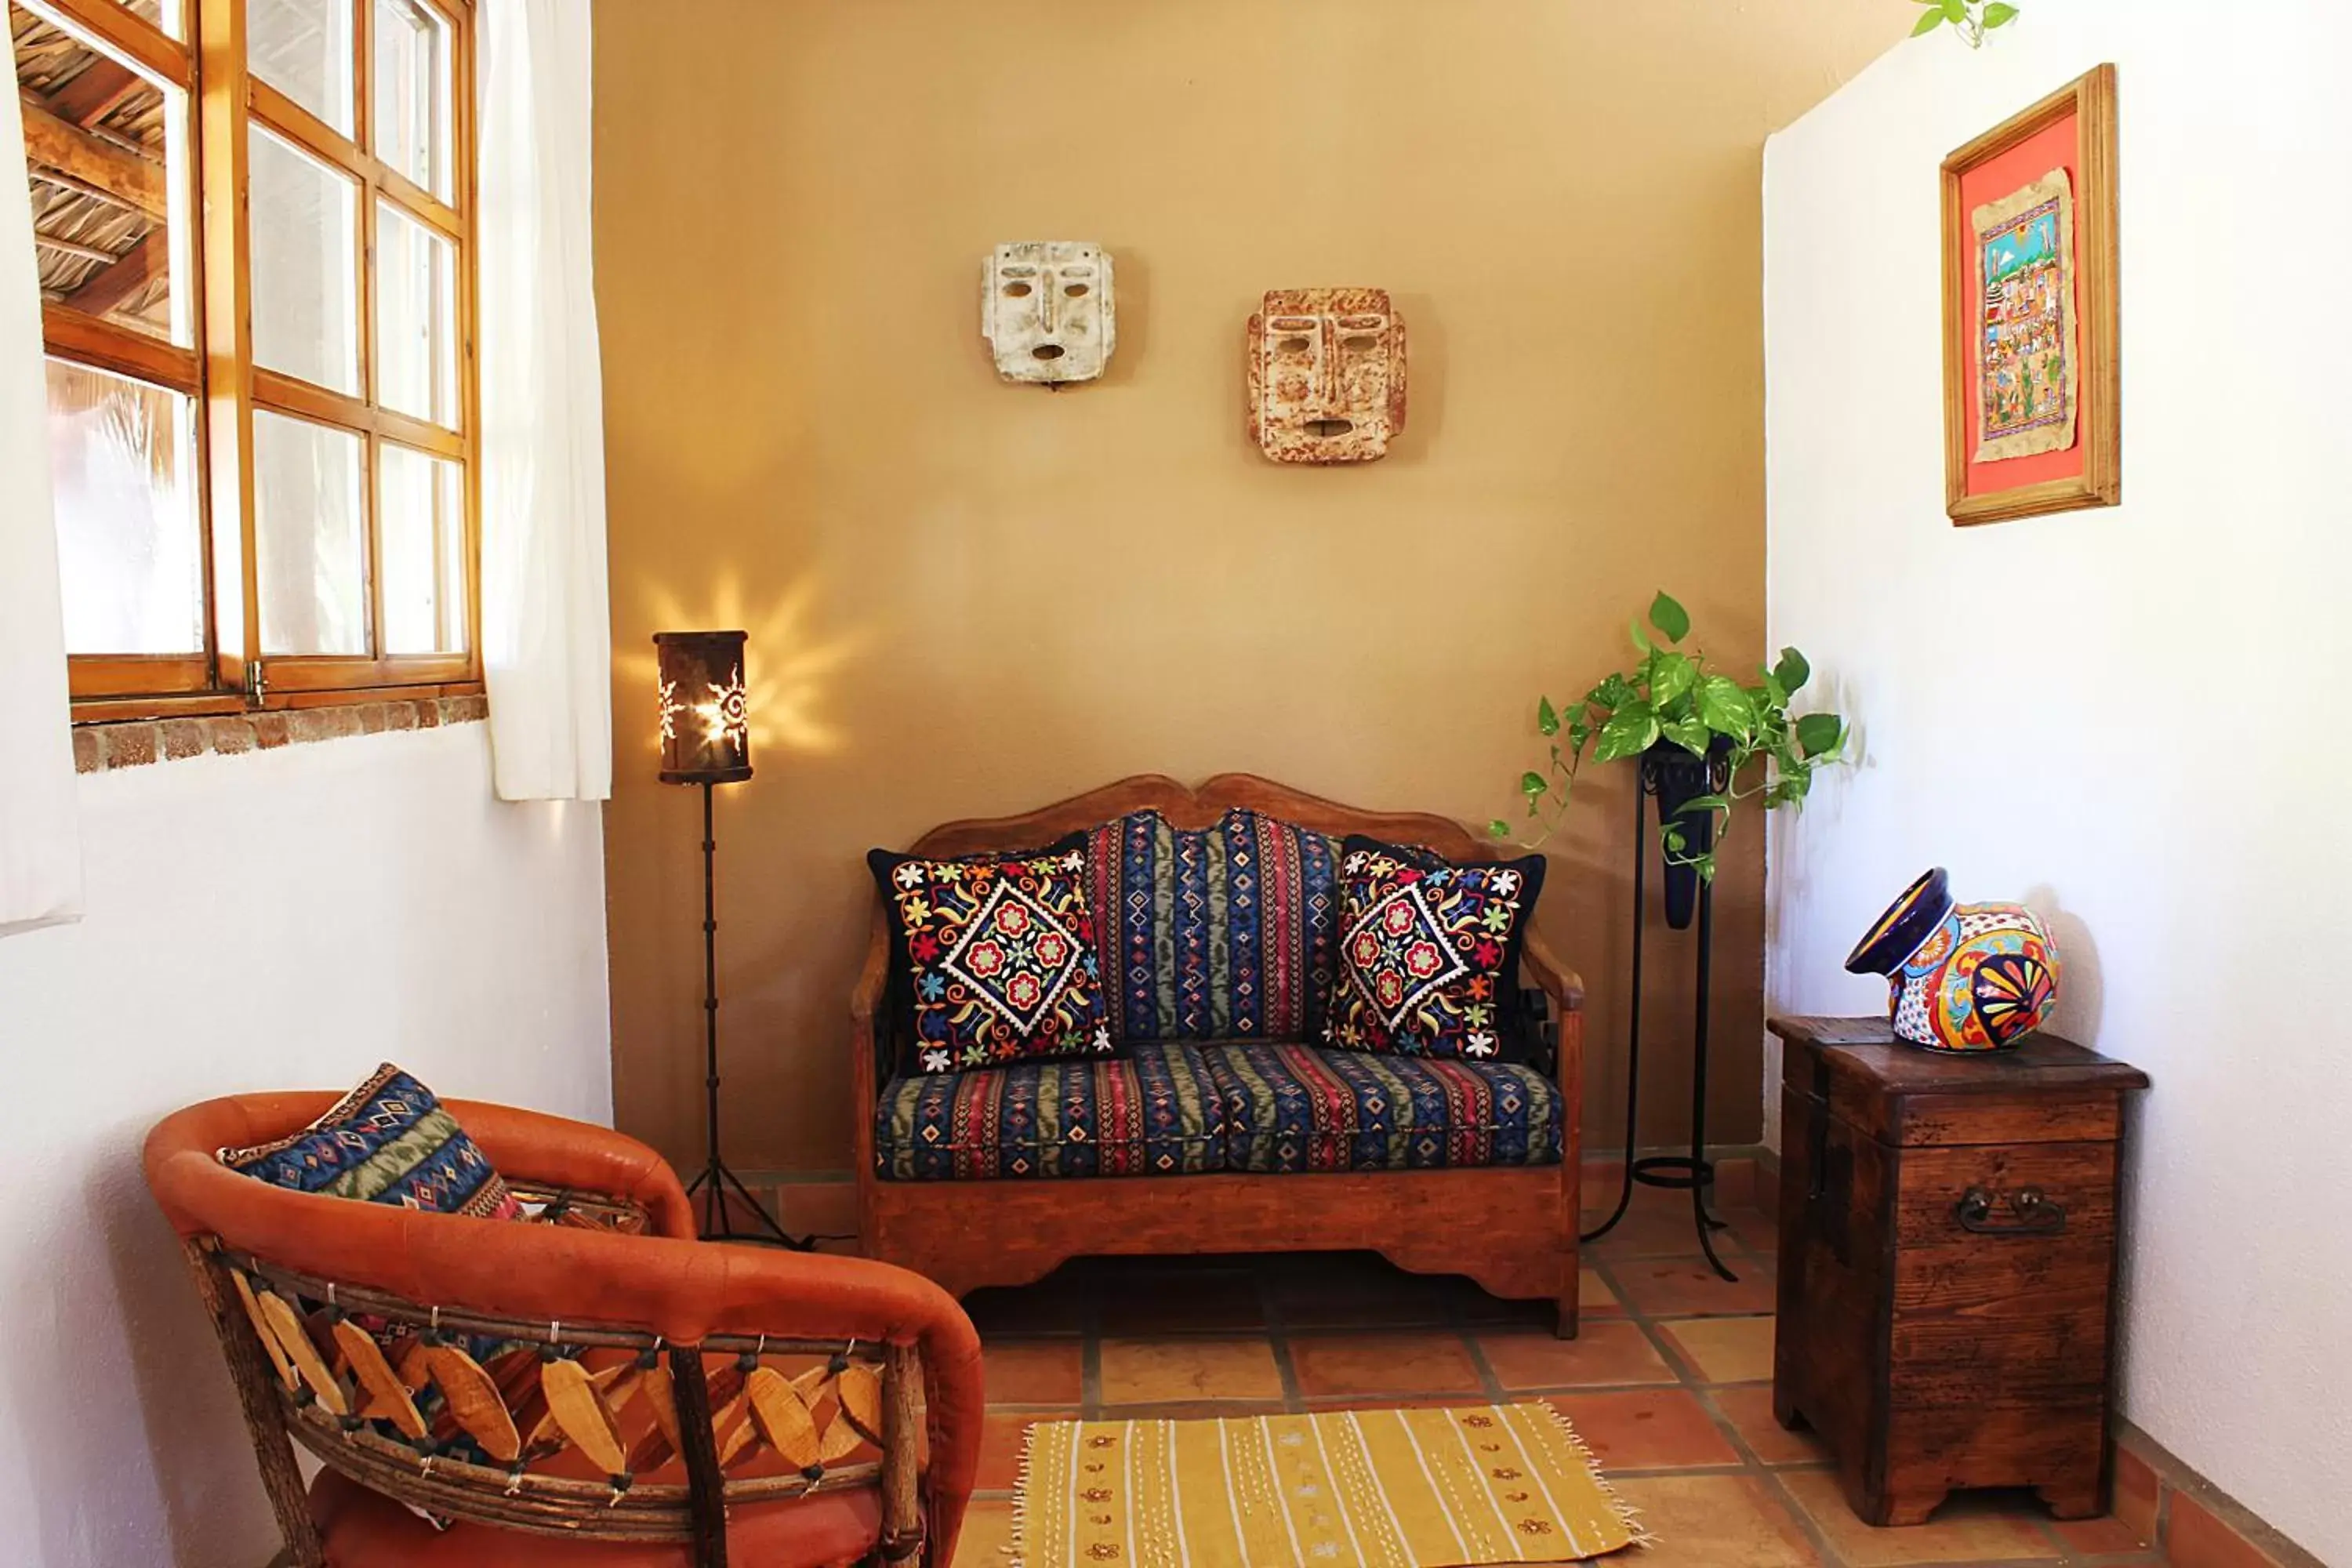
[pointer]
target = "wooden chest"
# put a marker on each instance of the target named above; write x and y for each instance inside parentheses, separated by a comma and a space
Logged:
(1948, 1258)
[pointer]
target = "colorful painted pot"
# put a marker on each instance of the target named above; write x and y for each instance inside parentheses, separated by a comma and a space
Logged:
(1960, 977)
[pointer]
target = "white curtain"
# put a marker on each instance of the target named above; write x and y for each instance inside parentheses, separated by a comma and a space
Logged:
(40, 839)
(546, 632)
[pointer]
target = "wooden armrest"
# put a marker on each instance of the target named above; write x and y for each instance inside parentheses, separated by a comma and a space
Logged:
(1562, 984)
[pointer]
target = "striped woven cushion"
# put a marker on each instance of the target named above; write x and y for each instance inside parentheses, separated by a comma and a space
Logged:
(1152, 1113)
(1228, 932)
(388, 1140)
(1298, 1108)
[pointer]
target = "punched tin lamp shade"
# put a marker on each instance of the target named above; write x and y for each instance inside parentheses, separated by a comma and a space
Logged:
(706, 736)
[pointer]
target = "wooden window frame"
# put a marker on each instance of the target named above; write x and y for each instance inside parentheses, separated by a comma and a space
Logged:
(217, 370)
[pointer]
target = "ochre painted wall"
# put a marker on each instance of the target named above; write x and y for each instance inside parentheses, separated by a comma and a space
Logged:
(967, 599)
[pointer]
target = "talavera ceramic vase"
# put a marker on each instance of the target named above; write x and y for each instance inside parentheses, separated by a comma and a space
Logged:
(1960, 977)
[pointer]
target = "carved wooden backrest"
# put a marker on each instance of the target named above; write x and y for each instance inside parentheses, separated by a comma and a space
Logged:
(1187, 807)
(578, 1429)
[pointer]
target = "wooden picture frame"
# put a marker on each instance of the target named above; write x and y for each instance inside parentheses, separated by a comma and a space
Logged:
(2074, 129)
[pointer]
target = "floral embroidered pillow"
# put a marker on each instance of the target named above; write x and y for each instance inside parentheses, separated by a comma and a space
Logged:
(997, 956)
(1429, 951)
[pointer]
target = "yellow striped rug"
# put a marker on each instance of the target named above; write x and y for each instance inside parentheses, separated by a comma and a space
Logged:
(1385, 1488)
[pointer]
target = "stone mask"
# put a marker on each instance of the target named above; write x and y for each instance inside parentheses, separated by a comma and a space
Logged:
(1045, 306)
(1325, 375)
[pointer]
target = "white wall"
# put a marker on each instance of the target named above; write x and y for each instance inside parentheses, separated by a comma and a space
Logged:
(2127, 718)
(280, 920)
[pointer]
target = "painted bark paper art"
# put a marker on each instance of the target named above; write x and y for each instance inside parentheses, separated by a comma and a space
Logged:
(2027, 348)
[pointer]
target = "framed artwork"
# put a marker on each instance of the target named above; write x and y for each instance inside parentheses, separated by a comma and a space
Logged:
(2031, 417)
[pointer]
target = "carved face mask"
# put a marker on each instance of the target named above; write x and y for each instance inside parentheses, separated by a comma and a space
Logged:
(1045, 308)
(1325, 375)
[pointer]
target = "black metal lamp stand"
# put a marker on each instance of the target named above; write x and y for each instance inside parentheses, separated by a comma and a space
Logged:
(710, 1190)
(1695, 1170)
(706, 739)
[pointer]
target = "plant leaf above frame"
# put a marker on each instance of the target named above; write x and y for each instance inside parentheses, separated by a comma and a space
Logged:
(1972, 19)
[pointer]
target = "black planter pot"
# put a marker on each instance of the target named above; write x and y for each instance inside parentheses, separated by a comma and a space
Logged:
(1675, 778)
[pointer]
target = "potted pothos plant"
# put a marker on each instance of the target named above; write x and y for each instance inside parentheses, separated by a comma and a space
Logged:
(1705, 742)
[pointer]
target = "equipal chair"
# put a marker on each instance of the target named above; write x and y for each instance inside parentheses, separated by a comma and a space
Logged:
(591, 1389)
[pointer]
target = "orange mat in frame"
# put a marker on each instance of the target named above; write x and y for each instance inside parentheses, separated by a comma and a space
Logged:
(2074, 129)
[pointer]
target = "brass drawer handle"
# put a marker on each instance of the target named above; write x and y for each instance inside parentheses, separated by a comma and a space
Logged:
(2037, 1214)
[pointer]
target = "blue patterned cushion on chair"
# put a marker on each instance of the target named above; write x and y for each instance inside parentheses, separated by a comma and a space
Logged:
(1227, 932)
(1152, 1113)
(388, 1140)
(1299, 1108)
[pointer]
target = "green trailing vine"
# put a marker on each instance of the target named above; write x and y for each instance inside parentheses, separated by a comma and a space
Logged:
(1672, 695)
(1971, 18)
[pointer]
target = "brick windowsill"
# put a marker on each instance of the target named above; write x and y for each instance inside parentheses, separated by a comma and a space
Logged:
(100, 747)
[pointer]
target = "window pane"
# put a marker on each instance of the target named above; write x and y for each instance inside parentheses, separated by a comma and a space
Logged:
(106, 152)
(130, 546)
(309, 537)
(303, 48)
(416, 321)
(412, 81)
(420, 509)
(305, 266)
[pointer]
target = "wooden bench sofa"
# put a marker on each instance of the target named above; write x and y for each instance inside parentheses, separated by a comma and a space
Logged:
(1510, 1227)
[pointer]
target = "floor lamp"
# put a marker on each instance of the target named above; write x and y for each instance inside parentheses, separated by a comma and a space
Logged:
(706, 739)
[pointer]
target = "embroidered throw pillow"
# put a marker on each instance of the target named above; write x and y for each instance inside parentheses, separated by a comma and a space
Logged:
(1429, 951)
(388, 1142)
(997, 955)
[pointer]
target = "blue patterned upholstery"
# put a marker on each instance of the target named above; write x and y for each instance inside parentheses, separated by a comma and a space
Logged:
(1298, 1108)
(1173, 1108)
(1154, 1112)
(1227, 932)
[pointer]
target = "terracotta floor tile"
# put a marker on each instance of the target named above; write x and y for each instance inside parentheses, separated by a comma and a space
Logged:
(1756, 1229)
(1749, 1408)
(2195, 1537)
(1429, 1362)
(1715, 1521)
(1000, 1434)
(1646, 1231)
(1593, 1296)
(1033, 1372)
(2099, 1536)
(1970, 1528)
(2136, 1494)
(1605, 1353)
(1725, 1349)
(1169, 1303)
(1646, 1428)
(987, 1539)
(1684, 1286)
(1161, 1370)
